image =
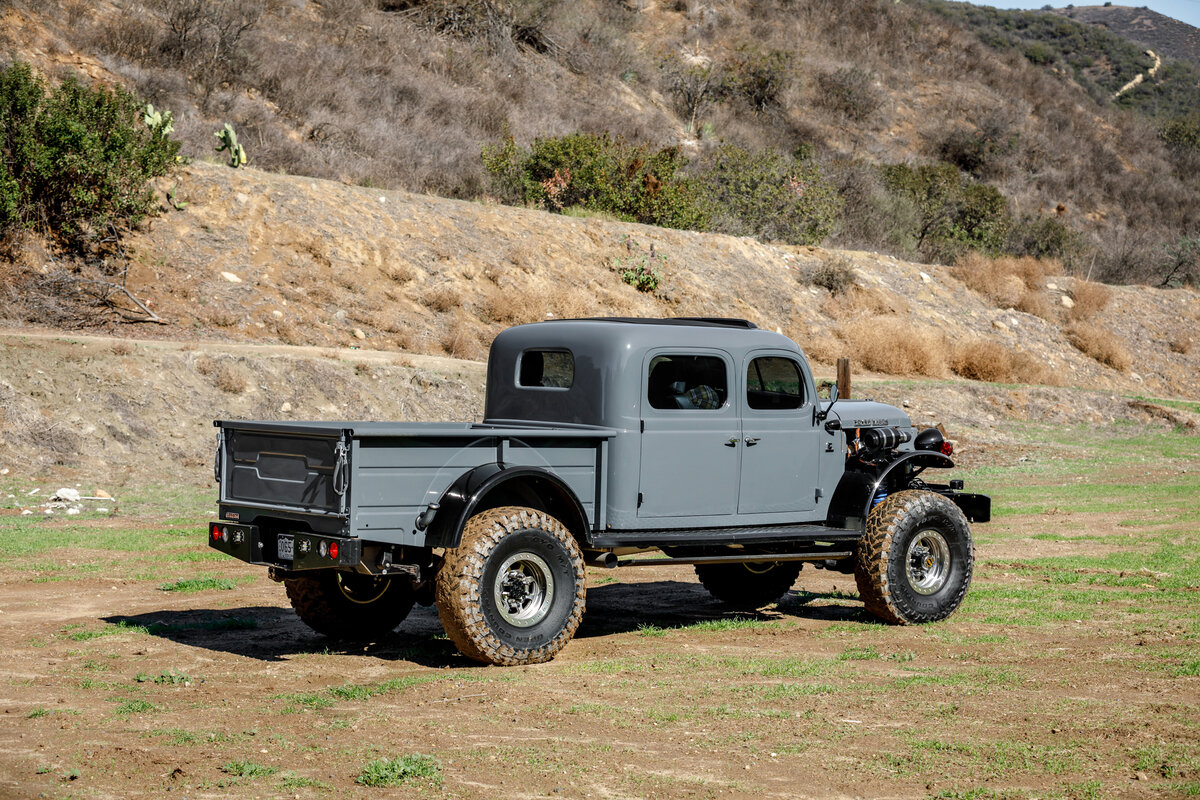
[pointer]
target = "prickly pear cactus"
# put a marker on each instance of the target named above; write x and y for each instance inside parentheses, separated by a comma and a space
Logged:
(158, 120)
(228, 140)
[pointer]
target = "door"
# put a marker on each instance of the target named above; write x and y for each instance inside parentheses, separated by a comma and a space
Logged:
(781, 441)
(690, 436)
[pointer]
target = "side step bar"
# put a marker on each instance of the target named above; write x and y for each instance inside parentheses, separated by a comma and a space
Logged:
(760, 535)
(610, 560)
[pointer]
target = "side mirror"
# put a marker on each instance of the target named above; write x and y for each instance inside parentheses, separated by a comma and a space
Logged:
(833, 398)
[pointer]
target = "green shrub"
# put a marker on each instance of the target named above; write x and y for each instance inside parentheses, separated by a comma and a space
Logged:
(1044, 236)
(1182, 133)
(954, 212)
(764, 194)
(599, 173)
(75, 159)
(641, 271)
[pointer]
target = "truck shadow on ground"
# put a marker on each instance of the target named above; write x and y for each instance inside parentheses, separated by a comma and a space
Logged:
(272, 633)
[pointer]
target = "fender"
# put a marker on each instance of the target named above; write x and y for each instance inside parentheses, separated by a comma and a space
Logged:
(467, 494)
(856, 490)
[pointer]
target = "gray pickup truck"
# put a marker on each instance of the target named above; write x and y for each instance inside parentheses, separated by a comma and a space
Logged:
(609, 442)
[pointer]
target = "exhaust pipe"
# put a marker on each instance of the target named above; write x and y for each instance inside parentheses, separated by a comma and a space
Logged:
(608, 560)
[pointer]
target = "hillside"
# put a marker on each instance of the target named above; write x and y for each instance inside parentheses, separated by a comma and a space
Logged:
(297, 298)
(1163, 34)
(406, 95)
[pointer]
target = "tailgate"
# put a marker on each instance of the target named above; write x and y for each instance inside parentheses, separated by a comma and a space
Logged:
(303, 468)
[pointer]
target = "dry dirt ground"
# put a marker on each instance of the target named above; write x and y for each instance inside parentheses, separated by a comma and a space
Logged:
(139, 664)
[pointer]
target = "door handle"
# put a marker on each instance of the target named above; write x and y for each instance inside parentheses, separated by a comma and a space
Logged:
(751, 441)
(732, 442)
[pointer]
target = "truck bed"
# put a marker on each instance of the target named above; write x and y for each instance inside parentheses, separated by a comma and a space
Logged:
(373, 479)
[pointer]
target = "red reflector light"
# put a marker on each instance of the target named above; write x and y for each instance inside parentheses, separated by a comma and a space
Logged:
(333, 548)
(216, 532)
(947, 449)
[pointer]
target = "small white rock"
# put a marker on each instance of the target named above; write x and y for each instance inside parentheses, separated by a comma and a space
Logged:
(72, 511)
(286, 407)
(101, 510)
(229, 276)
(4, 471)
(26, 513)
(241, 197)
(358, 334)
(1067, 302)
(49, 511)
(1053, 286)
(67, 495)
(925, 278)
(277, 314)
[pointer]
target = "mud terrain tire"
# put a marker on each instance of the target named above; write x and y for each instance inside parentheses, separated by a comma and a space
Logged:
(915, 560)
(748, 586)
(344, 605)
(513, 591)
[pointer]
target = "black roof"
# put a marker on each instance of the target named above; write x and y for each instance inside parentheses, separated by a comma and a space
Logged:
(706, 322)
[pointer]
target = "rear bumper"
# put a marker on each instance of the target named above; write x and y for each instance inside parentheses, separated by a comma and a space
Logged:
(253, 545)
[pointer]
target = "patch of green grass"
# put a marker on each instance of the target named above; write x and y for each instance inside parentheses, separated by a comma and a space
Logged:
(111, 630)
(729, 624)
(201, 584)
(856, 653)
(409, 769)
(38, 712)
(248, 769)
(802, 689)
(645, 629)
(136, 706)
(313, 701)
(290, 780)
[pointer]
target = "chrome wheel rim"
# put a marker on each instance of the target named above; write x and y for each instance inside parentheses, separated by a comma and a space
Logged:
(927, 562)
(523, 589)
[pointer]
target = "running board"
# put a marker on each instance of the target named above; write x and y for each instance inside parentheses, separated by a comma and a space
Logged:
(704, 537)
(749, 558)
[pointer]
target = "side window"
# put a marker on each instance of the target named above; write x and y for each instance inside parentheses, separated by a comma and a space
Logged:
(548, 369)
(682, 381)
(774, 383)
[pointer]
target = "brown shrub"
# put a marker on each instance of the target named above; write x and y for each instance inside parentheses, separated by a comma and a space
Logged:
(122, 348)
(230, 379)
(510, 307)
(289, 333)
(1032, 301)
(399, 273)
(822, 347)
(460, 341)
(1181, 344)
(863, 301)
(363, 370)
(835, 274)
(985, 360)
(1099, 344)
(1007, 282)
(1090, 299)
(223, 319)
(442, 298)
(895, 346)
(205, 366)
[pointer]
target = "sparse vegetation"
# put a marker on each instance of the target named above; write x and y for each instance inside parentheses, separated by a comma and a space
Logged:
(894, 345)
(410, 769)
(1100, 344)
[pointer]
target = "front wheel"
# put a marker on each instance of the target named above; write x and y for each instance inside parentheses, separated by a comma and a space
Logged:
(346, 605)
(915, 560)
(512, 592)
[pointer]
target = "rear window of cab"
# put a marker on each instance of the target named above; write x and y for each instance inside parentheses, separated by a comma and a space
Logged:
(546, 369)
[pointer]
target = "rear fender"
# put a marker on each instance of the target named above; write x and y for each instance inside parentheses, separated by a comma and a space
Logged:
(493, 485)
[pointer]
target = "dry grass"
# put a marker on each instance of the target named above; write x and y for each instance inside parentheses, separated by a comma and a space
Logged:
(1181, 343)
(835, 274)
(895, 346)
(1090, 299)
(462, 341)
(121, 348)
(985, 360)
(1099, 344)
(1008, 282)
(863, 301)
(230, 379)
(399, 273)
(205, 365)
(442, 298)
(509, 307)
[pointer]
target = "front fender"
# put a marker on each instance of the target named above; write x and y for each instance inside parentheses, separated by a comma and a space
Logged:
(531, 486)
(856, 490)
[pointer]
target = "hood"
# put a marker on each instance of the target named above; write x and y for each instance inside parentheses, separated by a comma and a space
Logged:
(868, 414)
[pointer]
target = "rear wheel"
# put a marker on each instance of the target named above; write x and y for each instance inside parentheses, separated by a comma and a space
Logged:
(512, 592)
(346, 605)
(914, 562)
(751, 585)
